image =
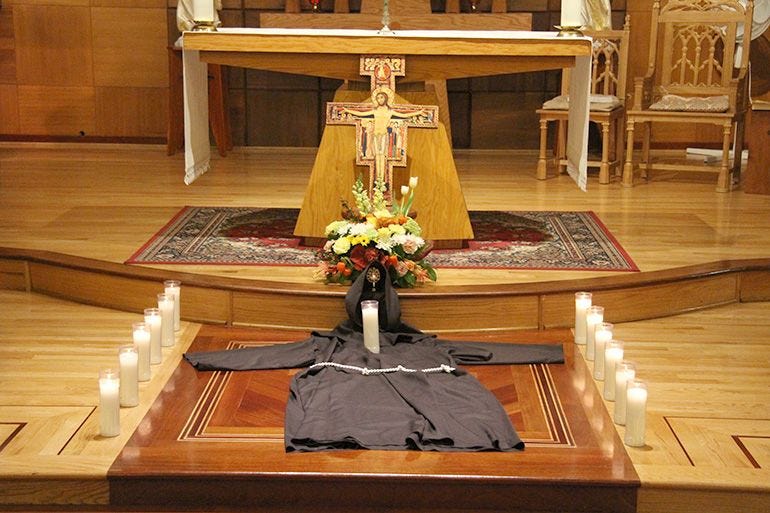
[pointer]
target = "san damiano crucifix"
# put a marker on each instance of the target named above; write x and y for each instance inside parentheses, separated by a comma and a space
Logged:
(381, 124)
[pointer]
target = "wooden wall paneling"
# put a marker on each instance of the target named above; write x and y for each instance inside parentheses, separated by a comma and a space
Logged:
(505, 119)
(13, 275)
(267, 5)
(460, 117)
(131, 111)
(282, 118)
(125, 293)
(755, 286)
(157, 4)
(237, 104)
(645, 302)
(50, 50)
(9, 109)
(7, 47)
(129, 47)
(56, 110)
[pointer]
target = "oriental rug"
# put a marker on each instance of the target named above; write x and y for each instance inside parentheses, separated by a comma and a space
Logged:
(547, 240)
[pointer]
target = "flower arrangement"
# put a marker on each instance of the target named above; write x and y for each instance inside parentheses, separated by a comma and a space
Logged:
(372, 231)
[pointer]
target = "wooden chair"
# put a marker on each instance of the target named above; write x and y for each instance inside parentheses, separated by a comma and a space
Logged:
(607, 107)
(692, 77)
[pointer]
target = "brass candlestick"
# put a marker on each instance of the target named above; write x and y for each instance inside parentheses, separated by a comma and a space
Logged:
(569, 30)
(205, 26)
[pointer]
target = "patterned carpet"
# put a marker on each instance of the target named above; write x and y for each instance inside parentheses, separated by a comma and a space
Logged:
(504, 240)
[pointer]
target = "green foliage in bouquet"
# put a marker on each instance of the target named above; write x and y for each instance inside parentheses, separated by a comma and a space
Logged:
(372, 231)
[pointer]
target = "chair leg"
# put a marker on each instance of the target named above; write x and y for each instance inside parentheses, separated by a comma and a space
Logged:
(619, 145)
(723, 182)
(628, 167)
(647, 134)
(604, 167)
(542, 163)
(740, 129)
(561, 147)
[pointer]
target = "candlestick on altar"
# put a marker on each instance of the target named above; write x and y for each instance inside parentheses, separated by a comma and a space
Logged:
(203, 16)
(582, 302)
(371, 321)
(385, 18)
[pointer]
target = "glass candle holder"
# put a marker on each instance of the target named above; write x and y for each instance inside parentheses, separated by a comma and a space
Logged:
(153, 320)
(594, 317)
(625, 371)
(371, 322)
(602, 335)
(582, 302)
(140, 333)
(166, 308)
(129, 376)
(109, 402)
(613, 354)
(173, 288)
(636, 413)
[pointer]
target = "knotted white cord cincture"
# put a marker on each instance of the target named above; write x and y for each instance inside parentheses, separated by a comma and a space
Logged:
(366, 371)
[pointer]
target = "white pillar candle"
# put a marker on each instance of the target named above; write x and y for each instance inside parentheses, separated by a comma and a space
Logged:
(173, 289)
(141, 336)
(166, 307)
(613, 354)
(594, 316)
(582, 302)
(636, 411)
(625, 371)
(602, 336)
(203, 10)
(152, 320)
(370, 315)
(571, 15)
(129, 376)
(109, 403)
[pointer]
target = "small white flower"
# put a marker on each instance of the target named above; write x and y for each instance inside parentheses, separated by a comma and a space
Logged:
(413, 182)
(341, 246)
(404, 190)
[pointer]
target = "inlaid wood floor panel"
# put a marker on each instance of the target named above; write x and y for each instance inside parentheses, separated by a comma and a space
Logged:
(204, 422)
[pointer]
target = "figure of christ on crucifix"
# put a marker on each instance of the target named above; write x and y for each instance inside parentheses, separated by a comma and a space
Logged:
(381, 124)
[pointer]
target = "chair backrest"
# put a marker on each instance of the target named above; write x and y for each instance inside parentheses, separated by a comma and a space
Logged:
(693, 43)
(609, 67)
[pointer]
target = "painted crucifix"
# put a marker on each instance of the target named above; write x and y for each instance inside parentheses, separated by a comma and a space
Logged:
(381, 124)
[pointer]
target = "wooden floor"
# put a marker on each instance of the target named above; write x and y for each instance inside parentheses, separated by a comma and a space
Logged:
(709, 370)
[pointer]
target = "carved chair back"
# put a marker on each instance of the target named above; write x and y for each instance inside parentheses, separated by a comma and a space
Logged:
(692, 46)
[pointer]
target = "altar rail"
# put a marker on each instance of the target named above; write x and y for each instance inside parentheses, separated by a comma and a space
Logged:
(237, 301)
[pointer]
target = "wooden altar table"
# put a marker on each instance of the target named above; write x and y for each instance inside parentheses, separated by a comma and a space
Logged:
(430, 55)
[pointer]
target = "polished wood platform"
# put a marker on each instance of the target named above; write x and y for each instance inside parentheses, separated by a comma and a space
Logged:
(695, 318)
(195, 440)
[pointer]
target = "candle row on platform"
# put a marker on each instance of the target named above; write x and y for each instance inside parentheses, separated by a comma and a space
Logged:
(619, 376)
(120, 388)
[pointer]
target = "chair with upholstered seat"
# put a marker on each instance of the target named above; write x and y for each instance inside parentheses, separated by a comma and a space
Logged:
(695, 75)
(607, 100)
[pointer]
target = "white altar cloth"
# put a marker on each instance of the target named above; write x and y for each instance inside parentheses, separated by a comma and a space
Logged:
(198, 148)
